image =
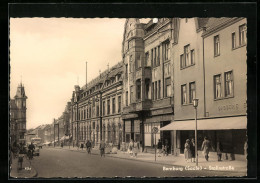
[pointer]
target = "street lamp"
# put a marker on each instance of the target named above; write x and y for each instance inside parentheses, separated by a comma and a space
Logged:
(195, 105)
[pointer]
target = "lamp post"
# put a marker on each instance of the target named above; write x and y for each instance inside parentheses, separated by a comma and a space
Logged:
(195, 105)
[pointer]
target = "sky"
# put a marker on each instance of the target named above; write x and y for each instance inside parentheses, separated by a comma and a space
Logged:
(49, 55)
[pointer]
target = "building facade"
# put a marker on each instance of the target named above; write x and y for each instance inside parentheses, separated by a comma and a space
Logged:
(18, 115)
(210, 53)
(96, 109)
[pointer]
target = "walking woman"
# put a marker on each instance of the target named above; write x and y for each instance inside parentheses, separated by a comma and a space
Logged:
(187, 152)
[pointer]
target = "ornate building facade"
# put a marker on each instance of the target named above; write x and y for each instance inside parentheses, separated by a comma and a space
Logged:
(18, 115)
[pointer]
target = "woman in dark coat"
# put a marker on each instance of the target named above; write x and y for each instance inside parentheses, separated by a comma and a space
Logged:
(192, 150)
(219, 150)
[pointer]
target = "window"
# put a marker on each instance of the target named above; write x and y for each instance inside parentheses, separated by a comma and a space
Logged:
(155, 92)
(87, 112)
(152, 58)
(113, 105)
(131, 94)
(166, 51)
(242, 35)
(104, 108)
(147, 59)
(147, 87)
(159, 89)
(192, 91)
(183, 95)
(126, 98)
(108, 106)
(187, 58)
(152, 91)
(138, 61)
(217, 86)
(228, 84)
(119, 103)
(97, 109)
(158, 57)
(138, 89)
(155, 64)
(192, 52)
(131, 64)
(216, 46)
(187, 55)
(126, 69)
(233, 40)
(182, 61)
(168, 87)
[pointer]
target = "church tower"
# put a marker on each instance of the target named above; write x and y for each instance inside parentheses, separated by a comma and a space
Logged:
(20, 101)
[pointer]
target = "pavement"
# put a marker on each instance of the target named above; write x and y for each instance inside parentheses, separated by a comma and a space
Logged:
(212, 165)
(27, 171)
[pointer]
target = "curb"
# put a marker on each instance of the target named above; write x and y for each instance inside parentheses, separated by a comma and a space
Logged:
(108, 155)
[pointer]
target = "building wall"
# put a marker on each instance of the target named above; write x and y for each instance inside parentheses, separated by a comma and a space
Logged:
(229, 60)
(188, 35)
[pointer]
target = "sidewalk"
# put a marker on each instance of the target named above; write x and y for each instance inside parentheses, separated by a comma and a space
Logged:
(171, 160)
(27, 171)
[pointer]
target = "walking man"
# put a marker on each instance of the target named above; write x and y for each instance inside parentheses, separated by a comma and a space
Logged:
(102, 147)
(206, 145)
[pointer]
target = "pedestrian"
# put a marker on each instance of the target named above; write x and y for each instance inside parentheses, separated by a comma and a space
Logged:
(187, 152)
(81, 146)
(159, 147)
(219, 150)
(206, 145)
(131, 145)
(102, 147)
(166, 146)
(163, 150)
(61, 144)
(135, 148)
(192, 150)
(88, 145)
(31, 147)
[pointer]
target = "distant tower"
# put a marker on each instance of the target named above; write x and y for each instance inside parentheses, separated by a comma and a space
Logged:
(20, 101)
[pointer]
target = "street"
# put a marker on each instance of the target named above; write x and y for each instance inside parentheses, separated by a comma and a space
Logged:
(64, 163)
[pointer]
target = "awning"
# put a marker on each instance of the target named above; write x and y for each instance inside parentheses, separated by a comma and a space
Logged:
(209, 124)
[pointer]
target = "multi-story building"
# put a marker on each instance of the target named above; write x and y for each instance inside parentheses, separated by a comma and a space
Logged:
(209, 54)
(96, 108)
(167, 63)
(18, 115)
(148, 84)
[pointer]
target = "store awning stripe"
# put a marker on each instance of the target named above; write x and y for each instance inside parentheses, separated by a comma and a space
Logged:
(209, 124)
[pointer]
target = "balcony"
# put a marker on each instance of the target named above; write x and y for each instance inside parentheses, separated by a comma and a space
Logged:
(129, 109)
(163, 102)
(146, 74)
(144, 105)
